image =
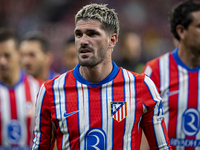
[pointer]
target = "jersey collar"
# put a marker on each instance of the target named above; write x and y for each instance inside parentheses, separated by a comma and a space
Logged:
(110, 77)
(179, 61)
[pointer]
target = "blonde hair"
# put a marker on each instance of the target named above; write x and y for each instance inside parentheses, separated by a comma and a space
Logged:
(108, 17)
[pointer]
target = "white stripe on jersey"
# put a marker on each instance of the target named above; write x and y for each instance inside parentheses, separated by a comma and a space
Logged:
(33, 88)
(5, 112)
(164, 72)
(152, 89)
(159, 133)
(129, 92)
(148, 71)
(21, 114)
(83, 101)
(182, 99)
(106, 100)
(37, 132)
(60, 103)
(164, 84)
(124, 112)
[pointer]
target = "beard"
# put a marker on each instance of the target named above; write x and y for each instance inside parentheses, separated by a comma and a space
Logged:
(95, 59)
(35, 71)
(91, 63)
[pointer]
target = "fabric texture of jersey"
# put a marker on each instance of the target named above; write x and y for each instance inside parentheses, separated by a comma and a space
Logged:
(106, 115)
(180, 88)
(17, 105)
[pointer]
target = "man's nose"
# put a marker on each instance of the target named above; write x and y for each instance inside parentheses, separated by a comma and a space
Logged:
(25, 59)
(3, 60)
(84, 39)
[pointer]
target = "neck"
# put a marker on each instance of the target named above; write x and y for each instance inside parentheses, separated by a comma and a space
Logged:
(189, 58)
(44, 73)
(97, 73)
(11, 79)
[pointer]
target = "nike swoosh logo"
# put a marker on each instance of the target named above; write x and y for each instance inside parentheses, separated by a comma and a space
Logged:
(172, 93)
(69, 114)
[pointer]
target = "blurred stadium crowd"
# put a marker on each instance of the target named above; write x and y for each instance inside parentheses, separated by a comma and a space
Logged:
(55, 18)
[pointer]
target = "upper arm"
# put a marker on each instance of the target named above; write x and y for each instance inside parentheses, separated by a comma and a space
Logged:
(42, 130)
(153, 120)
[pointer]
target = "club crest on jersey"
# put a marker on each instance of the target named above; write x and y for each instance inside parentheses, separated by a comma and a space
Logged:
(118, 110)
(190, 122)
(95, 139)
(14, 132)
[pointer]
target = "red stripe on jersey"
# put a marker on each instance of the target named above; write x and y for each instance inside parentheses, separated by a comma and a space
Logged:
(28, 99)
(139, 107)
(192, 93)
(27, 88)
(115, 115)
(155, 76)
(95, 107)
(72, 106)
(13, 106)
(118, 127)
(118, 113)
(193, 90)
(47, 121)
(59, 142)
(173, 98)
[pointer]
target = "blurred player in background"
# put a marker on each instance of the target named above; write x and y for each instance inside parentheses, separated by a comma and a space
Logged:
(69, 55)
(177, 76)
(17, 96)
(130, 51)
(36, 57)
(98, 105)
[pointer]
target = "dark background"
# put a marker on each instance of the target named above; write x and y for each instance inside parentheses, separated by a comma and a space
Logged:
(56, 19)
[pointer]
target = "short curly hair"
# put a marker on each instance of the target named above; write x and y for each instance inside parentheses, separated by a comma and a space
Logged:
(7, 34)
(108, 17)
(181, 14)
(39, 37)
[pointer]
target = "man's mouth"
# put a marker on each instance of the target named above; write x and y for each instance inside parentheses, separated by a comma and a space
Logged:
(3, 68)
(28, 67)
(85, 50)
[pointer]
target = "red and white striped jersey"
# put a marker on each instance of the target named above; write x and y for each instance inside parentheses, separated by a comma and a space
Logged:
(17, 113)
(106, 115)
(180, 88)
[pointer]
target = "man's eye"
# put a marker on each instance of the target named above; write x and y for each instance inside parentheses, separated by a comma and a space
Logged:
(78, 34)
(7, 55)
(91, 34)
(32, 55)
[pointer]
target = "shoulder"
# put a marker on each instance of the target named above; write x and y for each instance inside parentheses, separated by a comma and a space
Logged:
(58, 81)
(136, 76)
(142, 79)
(32, 80)
(157, 59)
(153, 65)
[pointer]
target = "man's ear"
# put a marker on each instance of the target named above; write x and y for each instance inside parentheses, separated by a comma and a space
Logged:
(113, 40)
(180, 31)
